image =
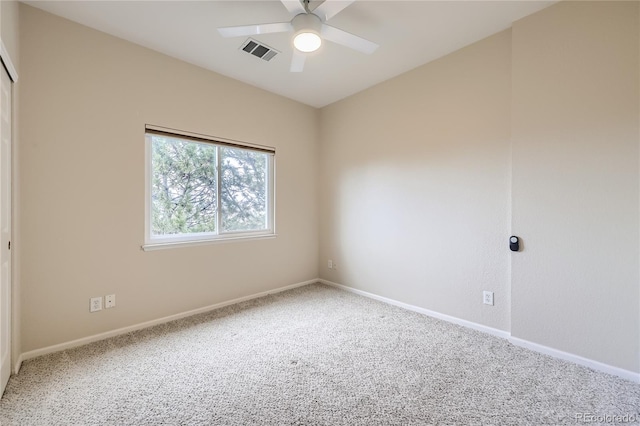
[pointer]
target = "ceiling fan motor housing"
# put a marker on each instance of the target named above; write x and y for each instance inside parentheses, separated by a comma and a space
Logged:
(306, 22)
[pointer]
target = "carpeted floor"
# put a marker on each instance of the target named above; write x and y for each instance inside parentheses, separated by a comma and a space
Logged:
(310, 356)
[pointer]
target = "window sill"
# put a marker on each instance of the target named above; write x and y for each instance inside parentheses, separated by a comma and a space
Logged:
(178, 244)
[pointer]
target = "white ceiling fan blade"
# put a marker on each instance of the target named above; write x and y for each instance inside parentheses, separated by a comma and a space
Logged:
(294, 7)
(347, 39)
(247, 30)
(330, 8)
(297, 61)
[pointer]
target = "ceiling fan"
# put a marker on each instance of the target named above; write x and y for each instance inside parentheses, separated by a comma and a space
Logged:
(309, 28)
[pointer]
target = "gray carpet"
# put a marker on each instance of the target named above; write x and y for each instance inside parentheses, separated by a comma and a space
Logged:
(310, 356)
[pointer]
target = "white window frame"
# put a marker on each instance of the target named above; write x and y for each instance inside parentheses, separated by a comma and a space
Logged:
(152, 242)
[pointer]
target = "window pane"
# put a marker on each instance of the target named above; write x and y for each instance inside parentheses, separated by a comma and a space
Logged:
(183, 188)
(243, 189)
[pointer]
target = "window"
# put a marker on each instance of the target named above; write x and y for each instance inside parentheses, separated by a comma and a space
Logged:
(200, 189)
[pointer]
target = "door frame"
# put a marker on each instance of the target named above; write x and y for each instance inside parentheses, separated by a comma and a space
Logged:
(16, 358)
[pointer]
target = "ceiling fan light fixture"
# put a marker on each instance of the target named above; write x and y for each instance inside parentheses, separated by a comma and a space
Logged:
(306, 37)
(307, 41)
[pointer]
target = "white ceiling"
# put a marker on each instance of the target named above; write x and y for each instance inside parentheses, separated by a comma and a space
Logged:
(410, 33)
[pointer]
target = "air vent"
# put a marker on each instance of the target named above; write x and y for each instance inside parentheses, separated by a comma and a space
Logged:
(258, 49)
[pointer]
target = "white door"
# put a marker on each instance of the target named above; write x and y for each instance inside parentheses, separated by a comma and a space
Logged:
(5, 229)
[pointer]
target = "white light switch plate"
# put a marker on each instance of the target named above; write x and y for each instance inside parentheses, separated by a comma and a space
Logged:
(110, 301)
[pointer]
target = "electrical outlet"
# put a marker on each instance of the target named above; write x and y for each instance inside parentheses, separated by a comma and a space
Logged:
(335, 265)
(110, 301)
(330, 264)
(96, 304)
(487, 297)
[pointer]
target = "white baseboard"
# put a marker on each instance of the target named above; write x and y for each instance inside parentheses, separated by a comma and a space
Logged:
(576, 359)
(17, 365)
(101, 336)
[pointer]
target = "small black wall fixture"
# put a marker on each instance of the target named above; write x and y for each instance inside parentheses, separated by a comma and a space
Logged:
(514, 243)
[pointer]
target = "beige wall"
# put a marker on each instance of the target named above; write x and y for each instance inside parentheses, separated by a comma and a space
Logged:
(86, 98)
(575, 287)
(415, 185)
